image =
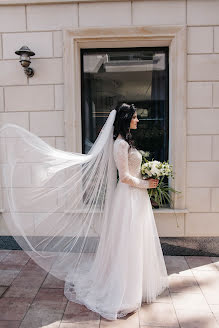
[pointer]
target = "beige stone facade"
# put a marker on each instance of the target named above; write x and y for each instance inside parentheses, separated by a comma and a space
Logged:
(57, 30)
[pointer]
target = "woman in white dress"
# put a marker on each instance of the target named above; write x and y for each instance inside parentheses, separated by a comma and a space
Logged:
(129, 267)
(67, 211)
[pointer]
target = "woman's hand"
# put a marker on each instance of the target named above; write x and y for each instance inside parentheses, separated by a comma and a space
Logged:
(153, 183)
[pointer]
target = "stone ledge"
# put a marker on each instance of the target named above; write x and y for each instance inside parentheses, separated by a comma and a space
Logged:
(190, 246)
(43, 2)
(170, 210)
(157, 210)
(174, 246)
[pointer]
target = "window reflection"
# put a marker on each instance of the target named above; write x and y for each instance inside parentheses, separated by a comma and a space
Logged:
(132, 75)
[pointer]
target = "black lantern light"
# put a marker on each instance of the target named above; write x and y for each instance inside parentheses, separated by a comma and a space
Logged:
(25, 53)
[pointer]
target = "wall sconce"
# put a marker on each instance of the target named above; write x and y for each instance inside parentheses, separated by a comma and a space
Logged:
(25, 53)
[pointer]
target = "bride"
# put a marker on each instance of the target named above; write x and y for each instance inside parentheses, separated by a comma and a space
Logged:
(72, 217)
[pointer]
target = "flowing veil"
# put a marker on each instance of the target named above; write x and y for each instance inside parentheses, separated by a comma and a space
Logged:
(57, 203)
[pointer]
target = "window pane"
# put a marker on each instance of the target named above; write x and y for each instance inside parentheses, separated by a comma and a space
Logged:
(132, 75)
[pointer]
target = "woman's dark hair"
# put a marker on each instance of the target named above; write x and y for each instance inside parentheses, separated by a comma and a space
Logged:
(122, 122)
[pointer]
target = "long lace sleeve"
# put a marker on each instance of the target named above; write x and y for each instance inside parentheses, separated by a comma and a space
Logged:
(121, 158)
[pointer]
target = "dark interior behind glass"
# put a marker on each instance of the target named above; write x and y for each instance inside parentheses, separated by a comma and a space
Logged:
(132, 75)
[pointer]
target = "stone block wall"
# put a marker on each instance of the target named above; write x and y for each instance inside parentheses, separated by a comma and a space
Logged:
(37, 103)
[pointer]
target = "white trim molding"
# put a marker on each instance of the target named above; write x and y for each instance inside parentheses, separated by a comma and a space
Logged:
(135, 36)
(43, 2)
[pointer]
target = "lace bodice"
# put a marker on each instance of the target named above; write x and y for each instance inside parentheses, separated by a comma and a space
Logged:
(128, 162)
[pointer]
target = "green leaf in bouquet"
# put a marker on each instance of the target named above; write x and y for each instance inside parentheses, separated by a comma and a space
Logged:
(161, 193)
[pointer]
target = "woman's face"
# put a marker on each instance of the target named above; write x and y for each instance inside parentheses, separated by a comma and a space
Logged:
(134, 121)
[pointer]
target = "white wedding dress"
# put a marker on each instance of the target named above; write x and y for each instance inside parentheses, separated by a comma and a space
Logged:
(129, 266)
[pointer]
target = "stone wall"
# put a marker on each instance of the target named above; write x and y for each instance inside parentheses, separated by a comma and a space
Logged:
(37, 103)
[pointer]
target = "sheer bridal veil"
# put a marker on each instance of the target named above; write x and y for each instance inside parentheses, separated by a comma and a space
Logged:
(57, 203)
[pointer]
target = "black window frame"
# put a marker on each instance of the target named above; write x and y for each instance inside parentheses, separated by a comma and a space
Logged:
(165, 49)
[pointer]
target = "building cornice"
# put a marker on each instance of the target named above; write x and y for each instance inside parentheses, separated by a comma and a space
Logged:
(44, 2)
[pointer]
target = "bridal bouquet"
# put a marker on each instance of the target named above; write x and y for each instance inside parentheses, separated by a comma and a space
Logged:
(158, 170)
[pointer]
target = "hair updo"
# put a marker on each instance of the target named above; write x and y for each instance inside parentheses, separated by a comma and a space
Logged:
(122, 122)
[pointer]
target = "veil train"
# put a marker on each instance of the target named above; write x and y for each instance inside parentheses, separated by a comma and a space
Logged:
(56, 203)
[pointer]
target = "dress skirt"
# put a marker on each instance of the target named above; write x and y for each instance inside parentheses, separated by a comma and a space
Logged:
(129, 266)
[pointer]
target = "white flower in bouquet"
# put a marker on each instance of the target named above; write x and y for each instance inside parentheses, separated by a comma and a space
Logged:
(158, 170)
(155, 169)
(145, 153)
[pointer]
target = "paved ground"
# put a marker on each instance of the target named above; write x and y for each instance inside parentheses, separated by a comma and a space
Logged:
(31, 298)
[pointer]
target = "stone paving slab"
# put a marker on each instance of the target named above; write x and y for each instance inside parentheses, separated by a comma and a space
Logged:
(32, 298)
(3, 253)
(9, 324)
